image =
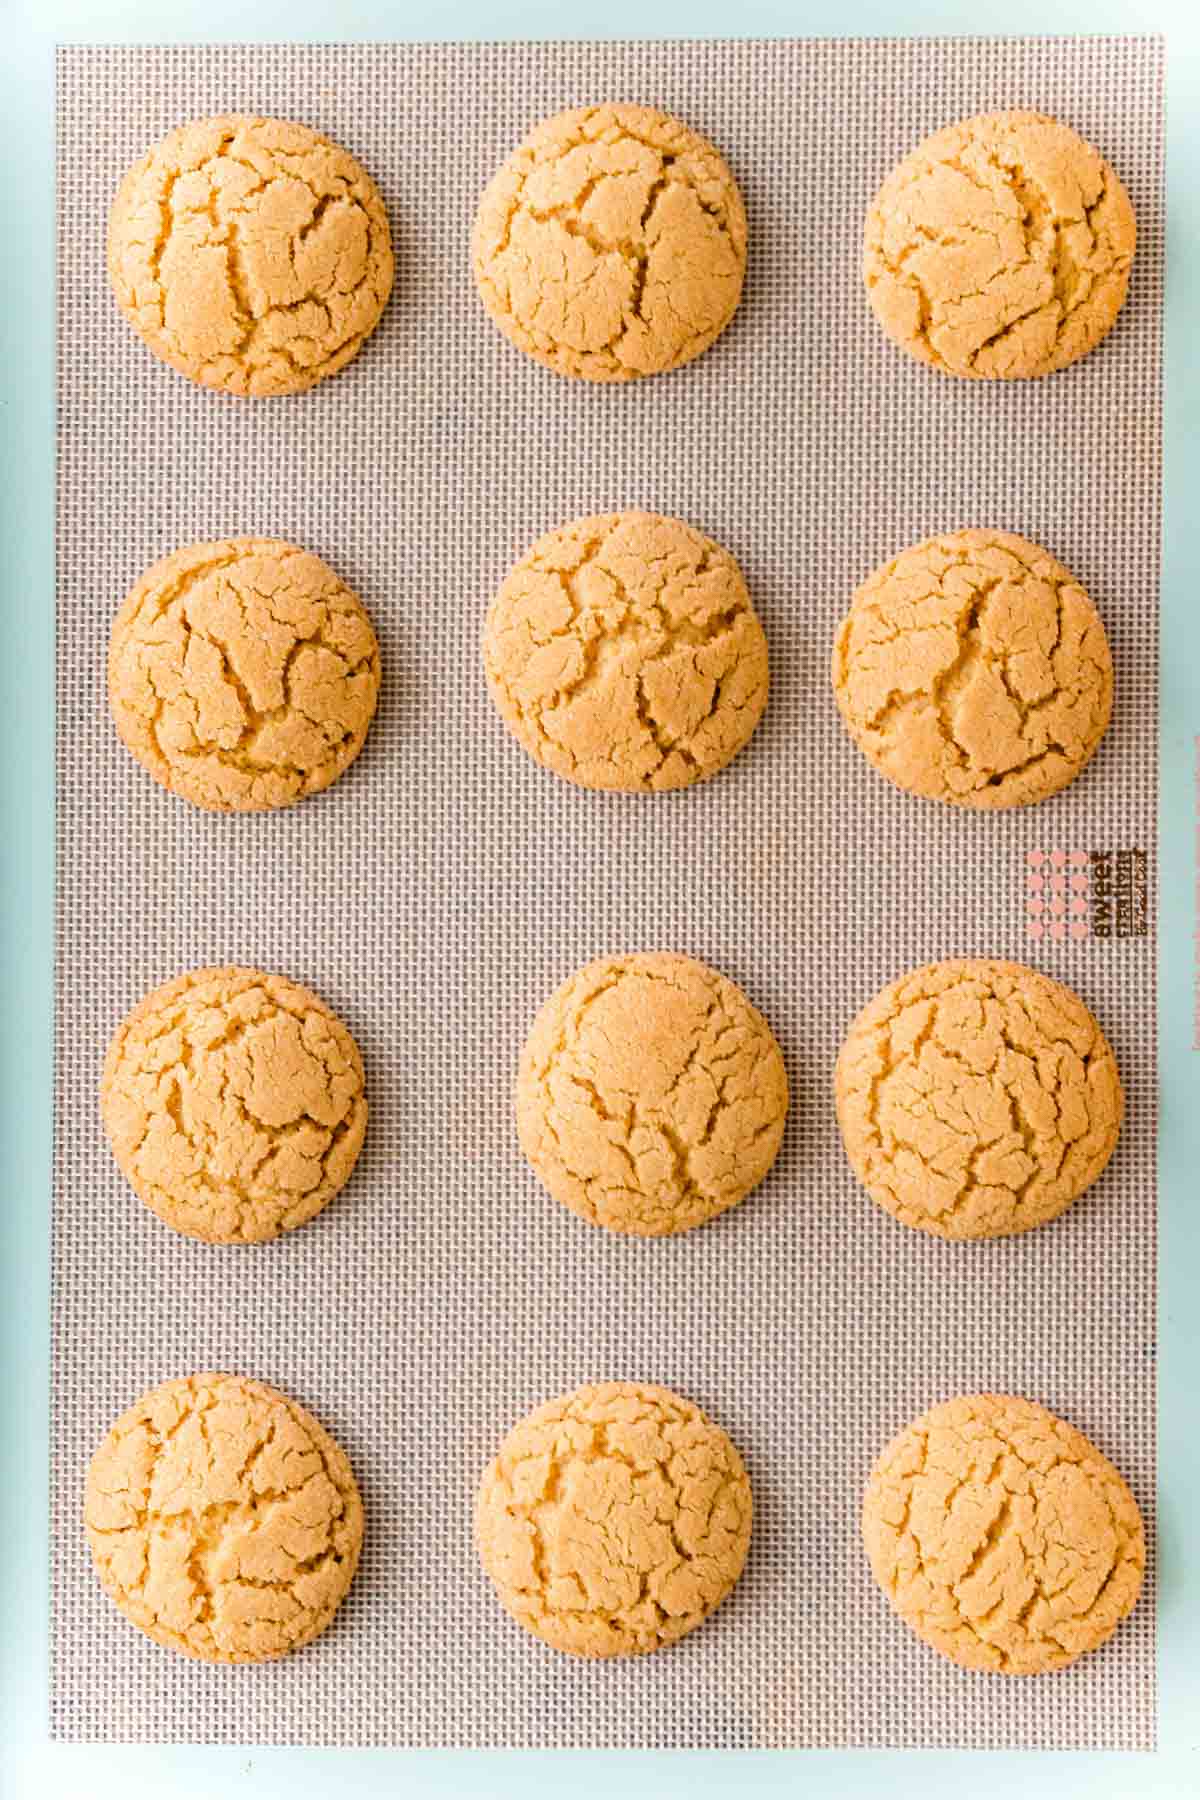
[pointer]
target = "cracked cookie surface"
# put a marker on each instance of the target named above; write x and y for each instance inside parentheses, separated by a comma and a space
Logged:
(977, 1098)
(973, 668)
(1002, 1536)
(250, 254)
(651, 1095)
(611, 244)
(234, 1104)
(623, 652)
(1001, 247)
(614, 1519)
(243, 674)
(223, 1520)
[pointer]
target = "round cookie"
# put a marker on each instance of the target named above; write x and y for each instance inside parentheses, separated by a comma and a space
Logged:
(973, 668)
(1001, 247)
(651, 1095)
(623, 652)
(1002, 1536)
(234, 1104)
(977, 1099)
(243, 674)
(251, 254)
(223, 1520)
(614, 1519)
(611, 244)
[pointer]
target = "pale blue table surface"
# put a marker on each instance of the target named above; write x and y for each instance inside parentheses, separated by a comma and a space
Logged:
(29, 1764)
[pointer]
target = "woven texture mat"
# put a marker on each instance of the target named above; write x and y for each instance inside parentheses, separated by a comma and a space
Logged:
(437, 894)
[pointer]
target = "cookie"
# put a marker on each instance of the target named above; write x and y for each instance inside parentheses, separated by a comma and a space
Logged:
(611, 244)
(977, 1099)
(1000, 248)
(234, 1104)
(973, 668)
(651, 1095)
(623, 652)
(251, 254)
(223, 1520)
(614, 1519)
(1002, 1536)
(243, 674)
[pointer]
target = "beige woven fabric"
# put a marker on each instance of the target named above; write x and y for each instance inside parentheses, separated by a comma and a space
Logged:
(438, 892)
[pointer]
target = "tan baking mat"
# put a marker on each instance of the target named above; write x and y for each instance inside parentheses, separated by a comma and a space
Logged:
(440, 891)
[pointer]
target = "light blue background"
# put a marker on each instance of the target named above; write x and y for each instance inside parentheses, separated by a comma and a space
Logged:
(29, 1764)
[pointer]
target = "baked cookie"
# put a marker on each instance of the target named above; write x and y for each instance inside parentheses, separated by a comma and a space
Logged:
(1002, 1536)
(611, 244)
(1000, 247)
(223, 1520)
(243, 674)
(651, 1095)
(973, 668)
(251, 254)
(977, 1099)
(614, 1520)
(623, 652)
(234, 1104)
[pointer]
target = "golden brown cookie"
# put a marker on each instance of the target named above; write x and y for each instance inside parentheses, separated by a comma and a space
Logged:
(611, 244)
(624, 652)
(243, 674)
(234, 1104)
(251, 254)
(977, 1099)
(973, 668)
(1000, 247)
(223, 1520)
(614, 1519)
(1002, 1536)
(651, 1095)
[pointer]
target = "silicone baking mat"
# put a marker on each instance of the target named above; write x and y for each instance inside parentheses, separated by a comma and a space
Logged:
(438, 893)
